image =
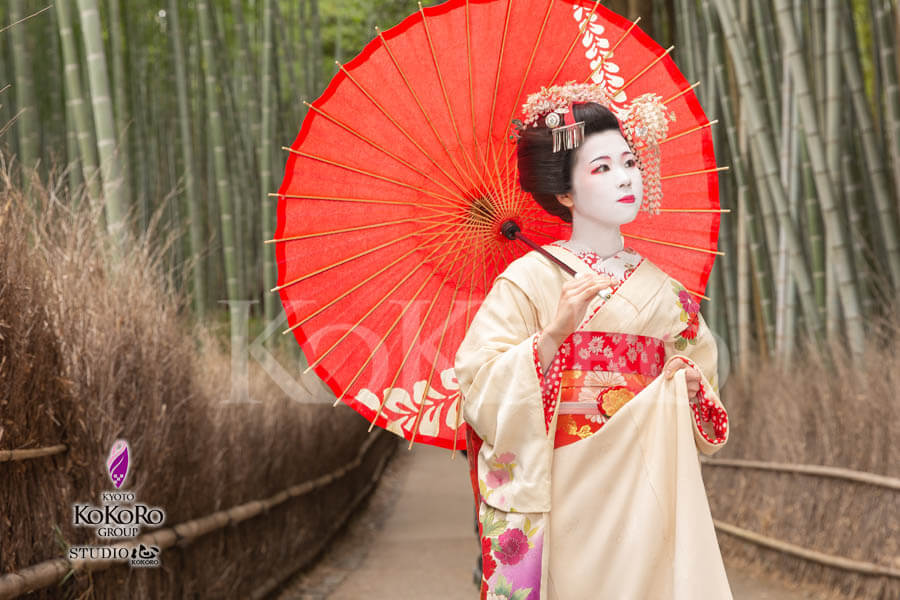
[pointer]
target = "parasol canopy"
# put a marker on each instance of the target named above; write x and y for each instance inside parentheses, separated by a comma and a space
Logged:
(404, 171)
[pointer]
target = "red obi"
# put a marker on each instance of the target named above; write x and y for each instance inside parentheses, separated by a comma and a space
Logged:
(593, 375)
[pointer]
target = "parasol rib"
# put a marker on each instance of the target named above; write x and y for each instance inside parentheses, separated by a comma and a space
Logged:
(696, 210)
(306, 236)
(497, 77)
(673, 244)
(681, 93)
(360, 255)
(689, 131)
(369, 173)
(700, 172)
(358, 200)
(384, 150)
(456, 427)
(640, 73)
(494, 152)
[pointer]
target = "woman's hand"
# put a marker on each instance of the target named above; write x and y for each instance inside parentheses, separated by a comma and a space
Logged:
(574, 298)
(691, 376)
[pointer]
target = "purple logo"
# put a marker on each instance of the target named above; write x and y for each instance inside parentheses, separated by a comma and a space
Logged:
(117, 463)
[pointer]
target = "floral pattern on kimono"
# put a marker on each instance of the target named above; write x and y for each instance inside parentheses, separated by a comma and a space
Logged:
(511, 543)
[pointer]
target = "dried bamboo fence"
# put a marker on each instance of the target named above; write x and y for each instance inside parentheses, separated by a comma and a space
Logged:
(47, 573)
(29, 453)
(92, 351)
(834, 528)
(829, 560)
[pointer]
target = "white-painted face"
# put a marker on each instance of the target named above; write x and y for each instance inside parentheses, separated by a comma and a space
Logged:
(606, 182)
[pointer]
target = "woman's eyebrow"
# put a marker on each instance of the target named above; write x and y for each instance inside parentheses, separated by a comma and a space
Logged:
(599, 158)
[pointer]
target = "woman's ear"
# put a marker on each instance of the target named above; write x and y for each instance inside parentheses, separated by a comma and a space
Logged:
(565, 200)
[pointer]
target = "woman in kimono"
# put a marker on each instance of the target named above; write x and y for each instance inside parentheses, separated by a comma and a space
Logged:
(587, 398)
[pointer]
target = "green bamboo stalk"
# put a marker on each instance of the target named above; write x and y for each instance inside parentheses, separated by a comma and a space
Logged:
(749, 225)
(217, 138)
(265, 164)
(834, 236)
(852, 191)
(874, 159)
(238, 158)
(713, 54)
(868, 28)
(75, 102)
(834, 101)
(248, 102)
(120, 95)
(764, 153)
(890, 77)
(743, 279)
(5, 111)
(195, 213)
(55, 128)
(686, 32)
(790, 149)
(28, 125)
(759, 48)
(767, 55)
(73, 164)
(104, 122)
(817, 35)
(896, 37)
(316, 51)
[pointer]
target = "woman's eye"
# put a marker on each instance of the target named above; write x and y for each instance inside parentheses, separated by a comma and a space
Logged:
(630, 163)
(601, 169)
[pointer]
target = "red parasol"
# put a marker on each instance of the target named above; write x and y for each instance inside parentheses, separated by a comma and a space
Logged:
(389, 214)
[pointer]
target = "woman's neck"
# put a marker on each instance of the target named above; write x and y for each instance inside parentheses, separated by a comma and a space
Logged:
(602, 239)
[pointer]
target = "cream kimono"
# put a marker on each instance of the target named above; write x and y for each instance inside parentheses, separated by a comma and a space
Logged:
(587, 477)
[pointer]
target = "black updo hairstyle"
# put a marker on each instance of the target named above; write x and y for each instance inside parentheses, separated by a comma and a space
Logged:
(544, 173)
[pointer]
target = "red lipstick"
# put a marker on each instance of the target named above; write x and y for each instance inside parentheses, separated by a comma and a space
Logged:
(626, 199)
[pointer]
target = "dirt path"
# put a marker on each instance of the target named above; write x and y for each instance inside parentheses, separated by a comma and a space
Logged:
(414, 539)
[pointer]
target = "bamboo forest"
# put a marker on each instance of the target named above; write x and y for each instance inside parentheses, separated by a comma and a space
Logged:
(198, 277)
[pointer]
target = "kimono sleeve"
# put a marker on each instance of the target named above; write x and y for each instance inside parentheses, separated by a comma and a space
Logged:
(502, 401)
(694, 343)
(495, 366)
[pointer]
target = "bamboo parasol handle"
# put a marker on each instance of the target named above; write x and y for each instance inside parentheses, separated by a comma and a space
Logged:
(511, 230)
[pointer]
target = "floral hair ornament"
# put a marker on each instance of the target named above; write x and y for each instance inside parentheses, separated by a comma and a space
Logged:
(644, 122)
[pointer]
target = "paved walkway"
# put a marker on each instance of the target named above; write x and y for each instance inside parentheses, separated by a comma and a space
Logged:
(414, 539)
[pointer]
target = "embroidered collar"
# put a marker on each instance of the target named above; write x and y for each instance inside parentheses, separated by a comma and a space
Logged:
(620, 263)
